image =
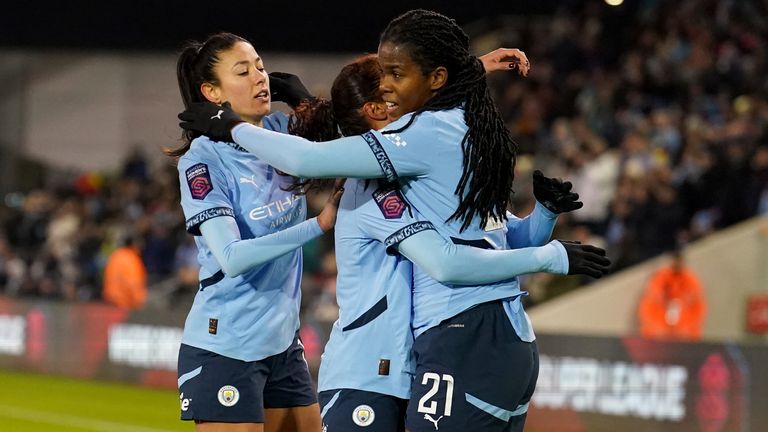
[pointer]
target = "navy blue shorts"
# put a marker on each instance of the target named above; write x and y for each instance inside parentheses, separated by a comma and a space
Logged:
(472, 373)
(221, 389)
(352, 410)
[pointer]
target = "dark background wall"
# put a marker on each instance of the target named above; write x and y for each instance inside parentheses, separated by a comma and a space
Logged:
(277, 25)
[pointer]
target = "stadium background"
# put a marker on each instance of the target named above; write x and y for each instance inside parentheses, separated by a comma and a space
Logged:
(657, 110)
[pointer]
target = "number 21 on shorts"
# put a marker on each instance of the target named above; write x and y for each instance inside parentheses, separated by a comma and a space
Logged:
(428, 406)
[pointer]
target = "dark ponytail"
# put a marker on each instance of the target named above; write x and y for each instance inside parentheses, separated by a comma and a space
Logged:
(434, 40)
(195, 67)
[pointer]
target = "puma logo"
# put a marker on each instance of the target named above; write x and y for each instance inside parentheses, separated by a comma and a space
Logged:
(218, 115)
(252, 180)
(429, 417)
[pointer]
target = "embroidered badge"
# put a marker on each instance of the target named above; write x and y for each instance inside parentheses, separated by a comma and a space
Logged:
(228, 395)
(390, 202)
(363, 415)
(199, 181)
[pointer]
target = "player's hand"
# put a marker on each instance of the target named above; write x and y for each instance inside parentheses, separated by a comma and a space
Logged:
(585, 259)
(214, 121)
(554, 194)
(327, 217)
(506, 59)
(288, 88)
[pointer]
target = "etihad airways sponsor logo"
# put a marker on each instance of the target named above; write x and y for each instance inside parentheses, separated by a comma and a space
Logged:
(275, 207)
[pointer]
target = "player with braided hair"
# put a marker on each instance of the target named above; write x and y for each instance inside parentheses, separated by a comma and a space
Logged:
(489, 151)
(365, 386)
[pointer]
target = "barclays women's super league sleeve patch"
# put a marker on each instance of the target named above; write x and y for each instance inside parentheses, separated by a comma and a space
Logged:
(199, 181)
(390, 202)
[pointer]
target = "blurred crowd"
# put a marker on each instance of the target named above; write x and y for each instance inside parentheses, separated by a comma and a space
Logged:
(56, 242)
(660, 122)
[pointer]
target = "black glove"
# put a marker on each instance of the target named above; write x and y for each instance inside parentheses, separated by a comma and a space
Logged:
(214, 121)
(555, 195)
(288, 88)
(585, 259)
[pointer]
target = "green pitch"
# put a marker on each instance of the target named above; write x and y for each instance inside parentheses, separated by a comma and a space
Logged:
(31, 403)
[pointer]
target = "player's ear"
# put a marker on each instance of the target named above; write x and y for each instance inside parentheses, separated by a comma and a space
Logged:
(437, 78)
(376, 111)
(211, 92)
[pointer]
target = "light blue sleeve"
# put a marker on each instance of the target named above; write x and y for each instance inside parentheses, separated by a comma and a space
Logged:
(465, 265)
(204, 187)
(532, 230)
(412, 152)
(354, 157)
(237, 256)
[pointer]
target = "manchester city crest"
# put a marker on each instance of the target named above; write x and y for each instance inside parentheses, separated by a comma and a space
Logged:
(363, 415)
(228, 395)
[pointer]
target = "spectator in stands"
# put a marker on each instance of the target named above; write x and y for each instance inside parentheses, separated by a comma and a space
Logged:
(125, 277)
(673, 305)
(135, 166)
(12, 269)
(757, 190)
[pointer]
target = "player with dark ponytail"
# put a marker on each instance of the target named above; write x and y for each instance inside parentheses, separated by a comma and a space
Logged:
(241, 363)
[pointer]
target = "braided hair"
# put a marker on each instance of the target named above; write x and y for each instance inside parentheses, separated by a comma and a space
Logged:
(434, 40)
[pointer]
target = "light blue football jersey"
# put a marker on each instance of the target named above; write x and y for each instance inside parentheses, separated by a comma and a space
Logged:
(370, 344)
(431, 146)
(254, 315)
